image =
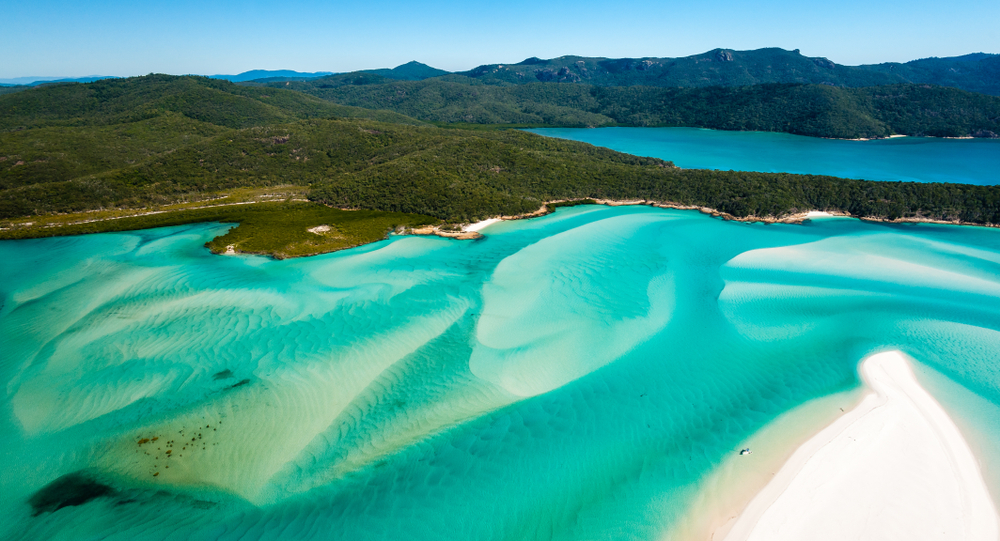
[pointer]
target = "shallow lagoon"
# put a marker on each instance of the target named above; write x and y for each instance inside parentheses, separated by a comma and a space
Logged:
(917, 159)
(583, 375)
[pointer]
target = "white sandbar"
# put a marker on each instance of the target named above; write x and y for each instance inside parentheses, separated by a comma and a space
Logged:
(479, 225)
(894, 468)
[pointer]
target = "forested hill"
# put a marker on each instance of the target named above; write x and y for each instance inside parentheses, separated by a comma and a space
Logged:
(725, 67)
(150, 142)
(720, 67)
(157, 140)
(815, 110)
(123, 101)
(411, 71)
(974, 72)
(451, 174)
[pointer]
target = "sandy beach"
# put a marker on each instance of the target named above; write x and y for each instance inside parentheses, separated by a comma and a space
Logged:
(895, 467)
(480, 225)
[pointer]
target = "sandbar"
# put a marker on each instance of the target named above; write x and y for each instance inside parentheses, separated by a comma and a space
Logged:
(895, 467)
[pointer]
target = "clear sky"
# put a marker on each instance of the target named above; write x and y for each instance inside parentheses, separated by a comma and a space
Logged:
(133, 37)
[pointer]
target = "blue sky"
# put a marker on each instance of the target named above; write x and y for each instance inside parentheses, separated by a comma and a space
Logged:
(73, 38)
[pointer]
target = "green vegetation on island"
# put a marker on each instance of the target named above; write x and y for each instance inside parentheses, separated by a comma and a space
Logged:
(813, 110)
(278, 229)
(726, 67)
(213, 101)
(151, 143)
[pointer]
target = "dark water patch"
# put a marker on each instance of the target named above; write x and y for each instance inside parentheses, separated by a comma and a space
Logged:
(69, 490)
(239, 383)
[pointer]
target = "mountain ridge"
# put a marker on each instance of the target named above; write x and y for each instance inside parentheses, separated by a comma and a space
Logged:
(976, 72)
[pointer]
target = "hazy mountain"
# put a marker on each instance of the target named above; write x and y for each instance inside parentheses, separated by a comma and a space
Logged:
(271, 74)
(32, 81)
(245, 76)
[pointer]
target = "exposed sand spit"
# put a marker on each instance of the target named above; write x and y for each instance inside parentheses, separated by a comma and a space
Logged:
(895, 467)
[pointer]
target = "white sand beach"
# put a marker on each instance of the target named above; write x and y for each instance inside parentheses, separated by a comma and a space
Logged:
(480, 225)
(894, 468)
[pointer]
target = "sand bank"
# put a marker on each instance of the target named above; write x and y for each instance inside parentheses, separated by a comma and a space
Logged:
(480, 225)
(895, 467)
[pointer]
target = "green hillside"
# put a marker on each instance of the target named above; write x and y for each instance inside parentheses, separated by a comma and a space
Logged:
(727, 67)
(118, 101)
(815, 110)
(719, 67)
(977, 72)
(465, 175)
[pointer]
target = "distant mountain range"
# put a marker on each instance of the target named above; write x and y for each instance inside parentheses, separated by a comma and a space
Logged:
(33, 81)
(977, 72)
(253, 75)
(272, 75)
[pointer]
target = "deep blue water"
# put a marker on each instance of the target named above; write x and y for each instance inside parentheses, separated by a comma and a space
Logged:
(918, 159)
(576, 376)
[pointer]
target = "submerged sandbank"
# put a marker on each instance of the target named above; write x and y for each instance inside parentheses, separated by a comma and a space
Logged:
(895, 467)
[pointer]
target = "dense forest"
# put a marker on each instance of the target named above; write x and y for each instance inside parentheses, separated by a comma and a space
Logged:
(96, 152)
(119, 101)
(157, 140)
(726, 67)
(814, 110)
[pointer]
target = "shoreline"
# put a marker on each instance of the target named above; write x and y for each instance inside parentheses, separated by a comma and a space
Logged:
(473, 231)
(895, 463)
(796, 218)
(894, 136)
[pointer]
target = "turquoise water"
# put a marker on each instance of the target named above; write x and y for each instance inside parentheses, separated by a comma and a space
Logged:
(918, 159)
(576, 376)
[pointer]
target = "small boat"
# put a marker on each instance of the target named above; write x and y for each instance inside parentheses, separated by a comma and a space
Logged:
(746, 451)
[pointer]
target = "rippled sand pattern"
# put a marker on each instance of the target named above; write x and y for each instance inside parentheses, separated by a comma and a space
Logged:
(577, 376)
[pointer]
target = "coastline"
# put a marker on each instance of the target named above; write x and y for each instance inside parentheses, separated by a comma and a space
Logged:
(796, 218)
(896, 466)
(473, 231)
(894, 136)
